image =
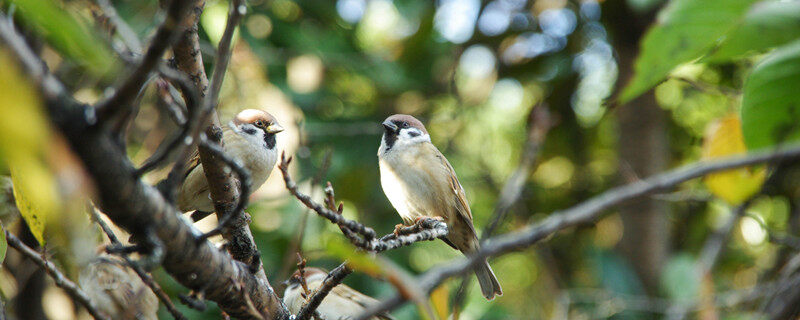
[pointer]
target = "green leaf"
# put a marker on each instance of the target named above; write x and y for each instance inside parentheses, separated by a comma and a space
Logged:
(771, 101)
(768, 24)
(685, 31)
(67, 35)
(3, 244)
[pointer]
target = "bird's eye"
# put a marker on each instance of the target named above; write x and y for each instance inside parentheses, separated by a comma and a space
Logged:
(259, 123)
(405, 124)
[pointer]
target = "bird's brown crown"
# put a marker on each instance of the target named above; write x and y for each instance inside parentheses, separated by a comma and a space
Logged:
(258, 118)
(400, 119)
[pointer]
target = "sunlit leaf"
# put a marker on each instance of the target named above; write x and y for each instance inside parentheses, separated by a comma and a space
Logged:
(67, 34)
(766, 25)
(686, 30)
(724, 138)
(439, 301)
(379, 267)
(771, 101)
(24, 139)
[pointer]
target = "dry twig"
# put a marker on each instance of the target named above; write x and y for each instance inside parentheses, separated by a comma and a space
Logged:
(58, 277)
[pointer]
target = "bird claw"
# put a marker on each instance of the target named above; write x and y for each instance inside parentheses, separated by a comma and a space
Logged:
(397, 229)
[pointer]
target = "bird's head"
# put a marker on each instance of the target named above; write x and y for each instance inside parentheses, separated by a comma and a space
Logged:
(403, 129)
(257, 125)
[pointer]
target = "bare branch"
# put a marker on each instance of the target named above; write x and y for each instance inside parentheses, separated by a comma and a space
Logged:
(136, 206)
(236, 10)
(333, 279)
(189, 131)
(61, 281)
(166, 34)
(332, 216)
(146, 278)
(128, 36)
(360, 235)
(540, 124)
(244, 189)
(585, 212)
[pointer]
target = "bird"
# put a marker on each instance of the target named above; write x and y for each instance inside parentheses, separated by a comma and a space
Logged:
(250, 138)
(420, 182)
(342, 302)
(117, 290)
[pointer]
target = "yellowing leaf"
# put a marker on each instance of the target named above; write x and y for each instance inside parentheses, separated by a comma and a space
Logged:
(724, 138)
(439, 300)
(24, 136)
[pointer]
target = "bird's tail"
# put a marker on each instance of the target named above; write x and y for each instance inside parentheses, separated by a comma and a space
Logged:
(488, 282)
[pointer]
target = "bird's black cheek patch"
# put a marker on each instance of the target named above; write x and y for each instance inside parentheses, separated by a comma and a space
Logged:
(389, 139)
(413, 134)
(269, 139)
(249, 130)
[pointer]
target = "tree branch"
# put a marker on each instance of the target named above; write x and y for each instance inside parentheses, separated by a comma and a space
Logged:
(585, 212)
(334, 278)
(61, 281)
(360, 235)
(166, 34)
(146, 278)
(138, 207)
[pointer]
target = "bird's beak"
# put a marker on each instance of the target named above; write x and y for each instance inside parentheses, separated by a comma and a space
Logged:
(391, 127)
(274, 128)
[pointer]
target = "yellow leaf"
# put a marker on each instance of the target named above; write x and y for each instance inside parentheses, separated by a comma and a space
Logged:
(24, 137)
(723, 139)
(439, 300)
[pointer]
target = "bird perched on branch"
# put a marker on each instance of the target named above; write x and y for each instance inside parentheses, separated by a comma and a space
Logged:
(420, 182)
(342, 302)
(117, 290)
(250, 138)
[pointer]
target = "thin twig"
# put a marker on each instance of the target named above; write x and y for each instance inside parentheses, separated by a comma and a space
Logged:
(361, 236)
(146, 278)
(192, 264)
(166, 34)
(58, 277)
(711, 251)
(236, 10)
(367, 232)
(244, 187)
(297, 241)
(540, 124)
(585, 212)
(128, 36)
(333, 279)
(189, 130)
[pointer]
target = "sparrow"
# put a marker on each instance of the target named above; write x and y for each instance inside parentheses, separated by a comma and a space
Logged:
(420, 182)
(117, 290)
(342, 302)
(250, 138)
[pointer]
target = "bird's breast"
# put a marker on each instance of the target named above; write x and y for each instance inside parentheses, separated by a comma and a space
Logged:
(257, 159)
(409, 189)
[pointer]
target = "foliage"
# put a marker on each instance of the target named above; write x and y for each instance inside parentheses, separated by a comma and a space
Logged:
(725, 72)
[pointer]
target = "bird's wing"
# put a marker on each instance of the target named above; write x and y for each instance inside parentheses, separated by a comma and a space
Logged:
(193, 162)
(358, 297)
(461, 204)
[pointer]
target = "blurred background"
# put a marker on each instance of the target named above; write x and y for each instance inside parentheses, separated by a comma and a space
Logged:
(505, 87)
